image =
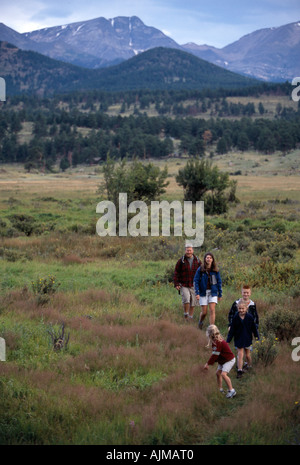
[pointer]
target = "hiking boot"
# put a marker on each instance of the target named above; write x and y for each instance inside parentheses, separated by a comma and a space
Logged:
(200, 325)
(247, 367)
(239, 374)
(231, 394)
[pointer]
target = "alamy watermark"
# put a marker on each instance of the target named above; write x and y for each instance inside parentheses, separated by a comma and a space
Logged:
(160, 213)
(296, 351)
(295, 95)
(2, 90)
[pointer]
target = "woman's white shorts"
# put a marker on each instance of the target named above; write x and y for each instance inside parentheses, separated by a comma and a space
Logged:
(208, 299)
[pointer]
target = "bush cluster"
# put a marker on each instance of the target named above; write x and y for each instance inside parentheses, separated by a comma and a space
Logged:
(43, 288)
(266, 350)
(283, 323)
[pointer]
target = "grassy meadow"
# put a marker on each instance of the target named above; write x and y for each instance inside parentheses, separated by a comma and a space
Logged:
(131, 372)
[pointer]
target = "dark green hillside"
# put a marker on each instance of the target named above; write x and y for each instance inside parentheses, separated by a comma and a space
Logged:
(164, 68)
(32, 73)
(159, 68)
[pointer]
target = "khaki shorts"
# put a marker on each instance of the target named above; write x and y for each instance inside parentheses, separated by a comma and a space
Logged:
(188, 296)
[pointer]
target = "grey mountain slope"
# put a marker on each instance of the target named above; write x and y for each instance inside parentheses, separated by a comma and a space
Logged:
(271, 54)
(107, 40)
(268, 54)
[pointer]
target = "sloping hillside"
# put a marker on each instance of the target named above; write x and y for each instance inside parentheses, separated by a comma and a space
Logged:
(159, 68)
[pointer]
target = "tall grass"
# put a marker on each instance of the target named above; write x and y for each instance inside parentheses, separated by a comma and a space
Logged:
(131, 372)
(130, 378)
(271, 413)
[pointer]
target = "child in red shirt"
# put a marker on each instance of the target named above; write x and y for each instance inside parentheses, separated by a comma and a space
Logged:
(222, 354)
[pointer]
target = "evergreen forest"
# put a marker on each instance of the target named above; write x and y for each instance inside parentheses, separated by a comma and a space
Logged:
(84, 127)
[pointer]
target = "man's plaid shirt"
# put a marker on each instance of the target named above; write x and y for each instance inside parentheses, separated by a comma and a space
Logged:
(184, 273)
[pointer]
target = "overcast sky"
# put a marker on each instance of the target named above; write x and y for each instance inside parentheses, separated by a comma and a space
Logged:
(213, 22)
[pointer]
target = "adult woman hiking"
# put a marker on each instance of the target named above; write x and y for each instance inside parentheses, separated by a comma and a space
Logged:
(208, 288)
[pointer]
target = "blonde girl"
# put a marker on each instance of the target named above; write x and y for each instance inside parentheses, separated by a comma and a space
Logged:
(222, 354)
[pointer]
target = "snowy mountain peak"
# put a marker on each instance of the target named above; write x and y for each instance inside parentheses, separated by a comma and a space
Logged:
(270, 53)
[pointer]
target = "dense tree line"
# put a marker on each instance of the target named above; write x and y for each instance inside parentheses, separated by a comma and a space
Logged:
(76, 129)
(146, 97)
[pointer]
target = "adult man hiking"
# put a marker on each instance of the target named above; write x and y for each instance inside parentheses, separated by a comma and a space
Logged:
(184, 273)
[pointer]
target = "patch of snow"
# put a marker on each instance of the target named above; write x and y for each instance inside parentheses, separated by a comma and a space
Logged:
(64, 27)
(167, 33)
(78, 29)
(112, 22)
(136, 52)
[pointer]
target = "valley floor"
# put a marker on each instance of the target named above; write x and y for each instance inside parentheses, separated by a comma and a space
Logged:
(131, 371)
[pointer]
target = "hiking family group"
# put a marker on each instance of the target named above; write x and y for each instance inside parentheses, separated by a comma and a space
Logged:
(200, 284)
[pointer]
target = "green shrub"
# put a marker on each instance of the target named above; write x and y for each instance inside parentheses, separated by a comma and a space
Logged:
(243, 244)
(43, 288)
(169, 274)
(266, 350)
(277, 276)
(12, 255)
(222, 224)
(23, 223)
(45, 285)
(279, 227)
(260, 247)
(284, 323)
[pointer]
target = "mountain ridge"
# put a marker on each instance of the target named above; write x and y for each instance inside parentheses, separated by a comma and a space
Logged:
(267, 54)
(120, 38)
(270, 54)
(156, 69)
